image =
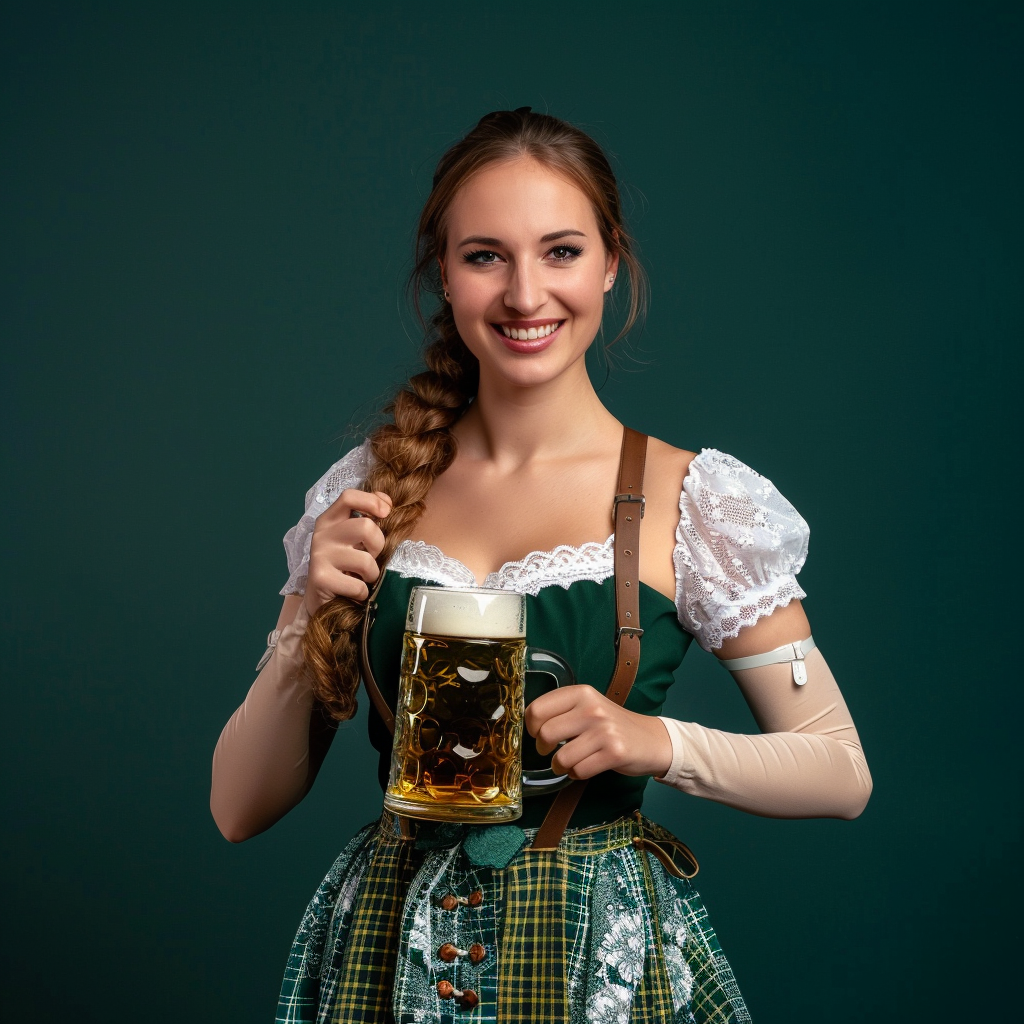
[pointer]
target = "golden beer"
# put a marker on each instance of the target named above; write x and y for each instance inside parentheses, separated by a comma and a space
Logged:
(457, 752)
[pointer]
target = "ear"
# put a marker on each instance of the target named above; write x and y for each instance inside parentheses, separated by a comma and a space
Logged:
(444, 280)
(611, 266)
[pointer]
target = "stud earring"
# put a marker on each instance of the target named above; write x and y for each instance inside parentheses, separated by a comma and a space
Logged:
(447, 297)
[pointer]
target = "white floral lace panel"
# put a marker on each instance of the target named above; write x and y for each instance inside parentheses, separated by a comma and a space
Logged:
(562, 567)
(740, 544)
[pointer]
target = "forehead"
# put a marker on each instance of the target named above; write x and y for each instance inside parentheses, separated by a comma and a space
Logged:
(520, 199)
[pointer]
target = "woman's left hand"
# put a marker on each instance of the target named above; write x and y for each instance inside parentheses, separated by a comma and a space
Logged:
(600, 736)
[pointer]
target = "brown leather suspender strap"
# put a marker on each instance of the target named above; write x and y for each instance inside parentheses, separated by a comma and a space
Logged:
(627, 512)
(372, 689)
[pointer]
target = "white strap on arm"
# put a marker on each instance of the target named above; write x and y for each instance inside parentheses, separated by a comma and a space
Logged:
(793, 653)
(272, 637)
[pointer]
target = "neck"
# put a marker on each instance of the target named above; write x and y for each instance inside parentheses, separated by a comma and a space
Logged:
(513, 425)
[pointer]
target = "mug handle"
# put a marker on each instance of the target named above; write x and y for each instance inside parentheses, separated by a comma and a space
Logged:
(540, 781)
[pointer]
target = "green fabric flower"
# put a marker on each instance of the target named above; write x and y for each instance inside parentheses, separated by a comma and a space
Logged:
(493, 846)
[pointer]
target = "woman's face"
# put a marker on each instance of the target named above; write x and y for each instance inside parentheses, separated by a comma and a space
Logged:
(526, 271)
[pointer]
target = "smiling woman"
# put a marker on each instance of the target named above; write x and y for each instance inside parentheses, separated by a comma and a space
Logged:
(557, 286)
(499, 468)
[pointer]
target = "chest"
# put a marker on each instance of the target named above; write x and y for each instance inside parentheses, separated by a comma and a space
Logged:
(486, 519)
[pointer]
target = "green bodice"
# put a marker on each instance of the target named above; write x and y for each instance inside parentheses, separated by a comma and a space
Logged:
(578, 623)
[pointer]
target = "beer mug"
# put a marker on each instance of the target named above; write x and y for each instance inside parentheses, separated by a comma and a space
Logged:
(457, 752)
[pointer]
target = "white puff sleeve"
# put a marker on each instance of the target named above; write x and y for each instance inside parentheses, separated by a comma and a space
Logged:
(739, 546)
(349, 471)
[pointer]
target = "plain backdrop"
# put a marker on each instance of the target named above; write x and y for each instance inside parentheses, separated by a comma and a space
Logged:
(207, 213)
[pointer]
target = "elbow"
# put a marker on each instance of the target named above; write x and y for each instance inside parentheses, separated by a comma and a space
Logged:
(234, 834)
(233, 827)
(854, 807)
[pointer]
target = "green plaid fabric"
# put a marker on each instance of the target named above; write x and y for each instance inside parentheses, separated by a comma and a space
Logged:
(594, 932)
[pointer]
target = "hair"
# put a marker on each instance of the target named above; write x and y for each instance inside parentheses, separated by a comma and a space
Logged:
(417, 445)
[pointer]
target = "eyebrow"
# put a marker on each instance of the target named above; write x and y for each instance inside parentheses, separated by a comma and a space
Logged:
(551, 237)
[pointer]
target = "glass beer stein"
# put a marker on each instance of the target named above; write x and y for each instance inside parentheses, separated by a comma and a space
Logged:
(457, 753)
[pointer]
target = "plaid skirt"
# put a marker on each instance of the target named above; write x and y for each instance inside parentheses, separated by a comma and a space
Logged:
(406, 931)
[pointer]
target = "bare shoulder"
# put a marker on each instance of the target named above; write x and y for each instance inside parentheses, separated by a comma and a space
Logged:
(664, 473)
(668, 461)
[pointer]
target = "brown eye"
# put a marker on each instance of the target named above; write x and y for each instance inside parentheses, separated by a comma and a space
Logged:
(485, 256)
(565, 253)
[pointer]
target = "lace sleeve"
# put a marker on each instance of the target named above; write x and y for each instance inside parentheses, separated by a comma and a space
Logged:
(349, 471)
(739, 546)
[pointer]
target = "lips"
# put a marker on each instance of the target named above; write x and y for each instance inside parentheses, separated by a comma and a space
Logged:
(527, 335)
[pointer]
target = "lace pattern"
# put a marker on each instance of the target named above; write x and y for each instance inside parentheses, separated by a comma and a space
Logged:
(562, 567)
(740, 544)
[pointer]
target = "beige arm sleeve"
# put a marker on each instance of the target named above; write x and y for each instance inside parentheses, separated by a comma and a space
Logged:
(270, 751)
(807, 762)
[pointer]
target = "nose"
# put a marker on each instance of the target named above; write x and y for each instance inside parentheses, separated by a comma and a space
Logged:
(525, 292)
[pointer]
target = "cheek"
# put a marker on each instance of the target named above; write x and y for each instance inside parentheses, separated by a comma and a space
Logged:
(474, 293)
(588, 295)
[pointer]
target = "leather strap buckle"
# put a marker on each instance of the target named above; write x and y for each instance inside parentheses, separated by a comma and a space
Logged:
(631, 630)
(632, 499)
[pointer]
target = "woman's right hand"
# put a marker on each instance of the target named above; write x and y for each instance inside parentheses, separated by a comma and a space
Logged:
(344, 548)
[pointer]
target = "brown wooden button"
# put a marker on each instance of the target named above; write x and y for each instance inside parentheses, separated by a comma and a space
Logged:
(477, 952)
(445, 989)
(448, 952)
(469, 999)
(449, 902)
(476, 898)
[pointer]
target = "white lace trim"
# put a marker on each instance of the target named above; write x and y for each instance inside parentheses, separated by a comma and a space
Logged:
(563, 566)
(739, 545)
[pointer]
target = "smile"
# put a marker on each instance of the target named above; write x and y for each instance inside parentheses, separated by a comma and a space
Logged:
(528, 336)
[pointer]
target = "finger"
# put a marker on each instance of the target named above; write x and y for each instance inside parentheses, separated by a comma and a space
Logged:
(560, 729)
(329, 583)
(555, 702)
(375, 505)
(362, 533)
(590, 766)
(568, 758)
(354, 562)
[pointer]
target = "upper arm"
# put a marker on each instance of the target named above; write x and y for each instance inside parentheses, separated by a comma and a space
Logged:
(288, 610)
(784, 626)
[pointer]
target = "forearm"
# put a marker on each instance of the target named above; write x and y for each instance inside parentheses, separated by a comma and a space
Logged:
(807, 763)
(262, 766)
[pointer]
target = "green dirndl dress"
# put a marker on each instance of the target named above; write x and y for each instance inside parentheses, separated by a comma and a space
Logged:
(594, 932)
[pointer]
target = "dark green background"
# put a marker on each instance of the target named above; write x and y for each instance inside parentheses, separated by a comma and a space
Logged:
(207, 214)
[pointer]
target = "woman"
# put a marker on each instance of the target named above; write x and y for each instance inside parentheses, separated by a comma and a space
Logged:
(500, 469)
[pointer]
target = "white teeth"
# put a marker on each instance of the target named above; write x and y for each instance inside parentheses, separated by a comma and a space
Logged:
(528, 333)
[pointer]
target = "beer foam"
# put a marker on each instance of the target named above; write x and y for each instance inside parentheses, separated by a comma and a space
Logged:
(474, 612)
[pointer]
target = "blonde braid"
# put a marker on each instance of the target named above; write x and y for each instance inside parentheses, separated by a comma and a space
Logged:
(409, 453)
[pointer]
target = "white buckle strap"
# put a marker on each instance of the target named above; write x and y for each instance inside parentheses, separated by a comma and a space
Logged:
(793, 653)
(272, 637)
